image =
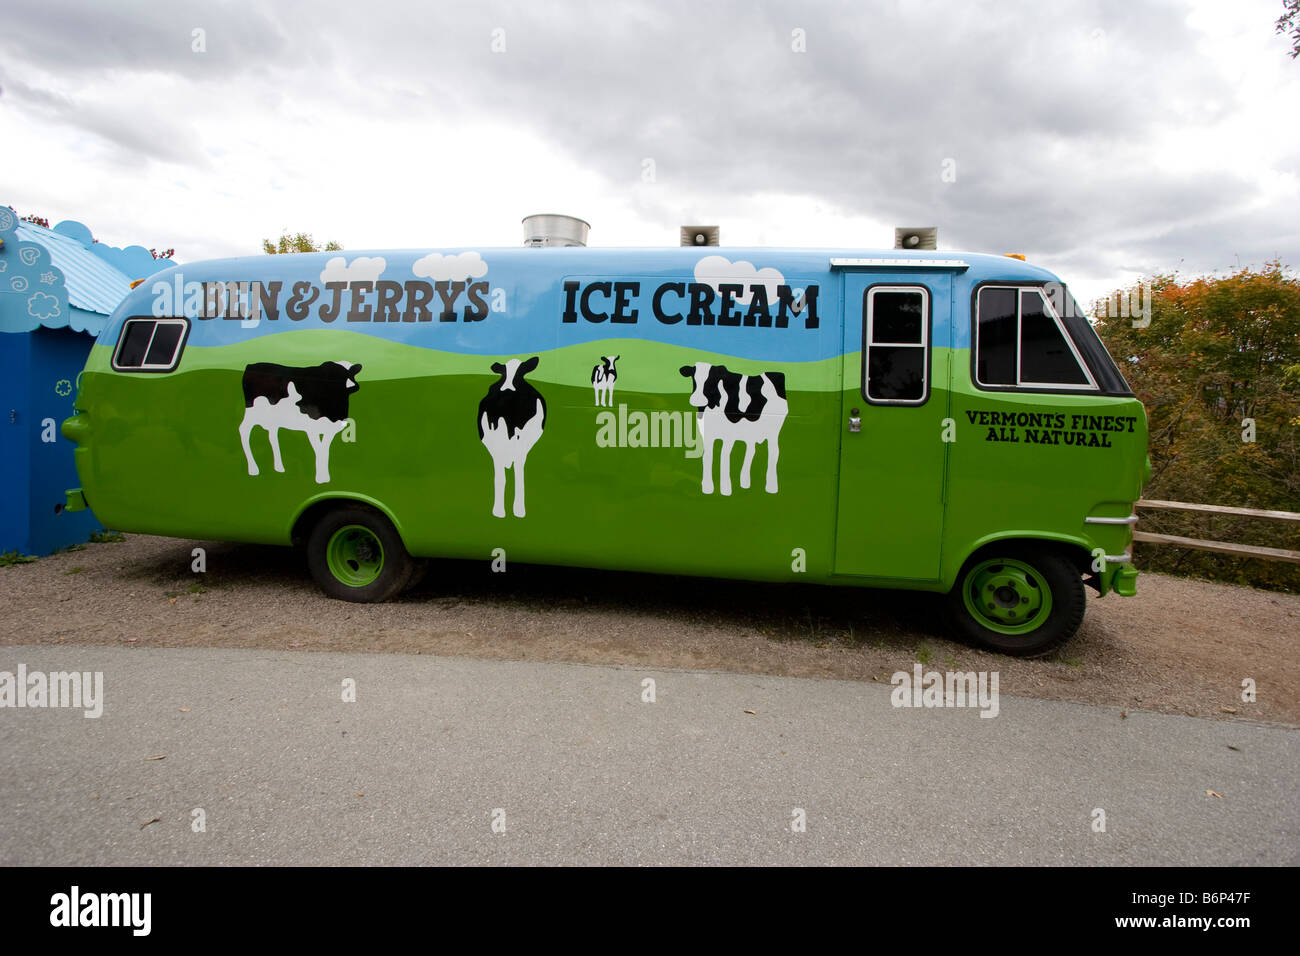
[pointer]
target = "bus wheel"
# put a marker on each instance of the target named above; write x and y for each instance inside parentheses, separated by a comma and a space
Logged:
(419, 568)
(1025, 602)
(355, 554)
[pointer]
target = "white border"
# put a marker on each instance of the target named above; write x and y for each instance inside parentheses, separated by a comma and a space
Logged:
(924, 345)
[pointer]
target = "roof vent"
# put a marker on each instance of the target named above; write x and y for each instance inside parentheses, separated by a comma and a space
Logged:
(700, 235)
(547, 229)
(916, 237)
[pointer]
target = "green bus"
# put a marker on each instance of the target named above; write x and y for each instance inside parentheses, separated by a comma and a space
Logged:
(925, 420)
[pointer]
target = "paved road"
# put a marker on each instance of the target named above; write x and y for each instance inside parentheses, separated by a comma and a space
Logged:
(586, 772)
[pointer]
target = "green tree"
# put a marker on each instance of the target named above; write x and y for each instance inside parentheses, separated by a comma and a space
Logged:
(1218, 370)
(298, 242)
(1289, 22)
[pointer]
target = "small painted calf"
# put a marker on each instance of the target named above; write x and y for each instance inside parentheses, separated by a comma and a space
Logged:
(603, 377)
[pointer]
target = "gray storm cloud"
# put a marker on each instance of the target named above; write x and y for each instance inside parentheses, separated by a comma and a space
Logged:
(1013, 126)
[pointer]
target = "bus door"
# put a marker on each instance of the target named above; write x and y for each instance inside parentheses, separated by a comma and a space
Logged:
(892, 440)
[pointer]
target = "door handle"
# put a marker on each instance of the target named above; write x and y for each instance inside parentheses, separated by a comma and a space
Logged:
(855, 421)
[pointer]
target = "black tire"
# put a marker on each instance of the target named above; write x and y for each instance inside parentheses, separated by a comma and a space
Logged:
(355, 554)
(419, 568)
(1017, 580)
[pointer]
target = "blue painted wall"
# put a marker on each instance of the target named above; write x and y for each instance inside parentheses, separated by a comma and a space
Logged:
(39, 372)
(57, 289)
(15, 516)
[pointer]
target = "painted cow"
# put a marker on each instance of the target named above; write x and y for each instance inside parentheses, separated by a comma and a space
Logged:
(313, 400)
(510, 420)
(603, 377)
(737, 408)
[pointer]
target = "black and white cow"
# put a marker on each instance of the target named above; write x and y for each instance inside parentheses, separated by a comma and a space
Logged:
(603, 377)
(510, 420)
(313, 400)
(737, 408)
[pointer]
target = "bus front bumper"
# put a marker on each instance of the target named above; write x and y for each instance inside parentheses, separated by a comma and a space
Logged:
(1119, 576)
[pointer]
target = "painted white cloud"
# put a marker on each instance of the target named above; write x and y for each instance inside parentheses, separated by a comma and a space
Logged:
(42, 306)
(452, 268)
(361, 269)
(717, 270)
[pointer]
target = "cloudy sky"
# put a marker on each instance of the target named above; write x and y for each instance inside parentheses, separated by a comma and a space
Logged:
(1106, 139)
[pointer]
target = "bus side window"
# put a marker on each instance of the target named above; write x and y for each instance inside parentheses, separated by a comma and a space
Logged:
(996, 345)
(896, 339)
(1021, 343)
(1045, 354)
(150, 345)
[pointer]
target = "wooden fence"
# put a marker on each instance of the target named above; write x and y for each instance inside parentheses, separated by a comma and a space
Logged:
(1219, 547)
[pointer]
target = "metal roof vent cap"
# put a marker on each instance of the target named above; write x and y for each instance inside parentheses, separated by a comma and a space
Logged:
(700, 235)
(549, 229)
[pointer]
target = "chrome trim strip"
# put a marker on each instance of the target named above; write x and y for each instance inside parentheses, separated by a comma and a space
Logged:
(837, 263)
(1131, 519)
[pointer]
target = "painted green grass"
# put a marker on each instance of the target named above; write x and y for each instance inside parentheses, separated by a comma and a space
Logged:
(644, 364)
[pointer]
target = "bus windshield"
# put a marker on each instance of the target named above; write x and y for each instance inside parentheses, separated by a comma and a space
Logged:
(1085, 337)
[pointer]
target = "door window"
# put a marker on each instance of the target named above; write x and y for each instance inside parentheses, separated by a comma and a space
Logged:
(896, 340)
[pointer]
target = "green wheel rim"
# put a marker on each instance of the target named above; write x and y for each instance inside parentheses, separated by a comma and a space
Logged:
(355, 555)
(1007, 596)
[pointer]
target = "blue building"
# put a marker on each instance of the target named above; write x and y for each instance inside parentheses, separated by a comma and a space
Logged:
(57, 289)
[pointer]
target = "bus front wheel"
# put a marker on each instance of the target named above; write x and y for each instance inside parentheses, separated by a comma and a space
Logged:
(1022, 601)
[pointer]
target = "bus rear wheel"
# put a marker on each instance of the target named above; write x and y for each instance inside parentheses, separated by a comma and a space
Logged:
(1021, 601)
(355, 554)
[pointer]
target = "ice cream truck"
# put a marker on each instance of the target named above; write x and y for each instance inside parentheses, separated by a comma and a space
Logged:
(928, 420)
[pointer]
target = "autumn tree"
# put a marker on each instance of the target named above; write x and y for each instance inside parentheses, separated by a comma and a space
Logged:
(298, 242)
(1289, 23)
(1218, 370)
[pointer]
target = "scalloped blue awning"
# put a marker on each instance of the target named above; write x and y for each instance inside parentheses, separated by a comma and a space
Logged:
(61, 278)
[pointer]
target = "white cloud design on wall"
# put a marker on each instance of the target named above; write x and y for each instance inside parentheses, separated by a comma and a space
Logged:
(456, 267)
(719, 270)
(361, 269)
(42, 306)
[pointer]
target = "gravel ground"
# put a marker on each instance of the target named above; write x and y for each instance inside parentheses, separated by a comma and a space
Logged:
(1181, 646)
